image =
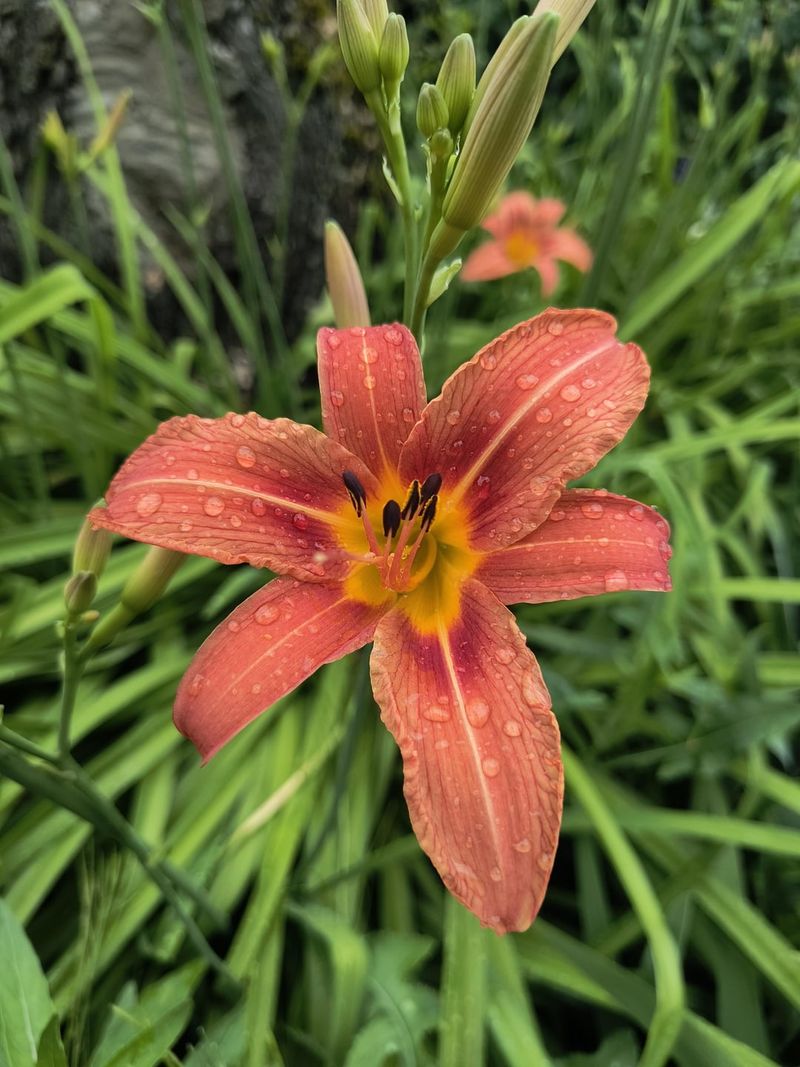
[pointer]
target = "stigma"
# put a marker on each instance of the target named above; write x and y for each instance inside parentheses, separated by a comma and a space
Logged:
(403, 529)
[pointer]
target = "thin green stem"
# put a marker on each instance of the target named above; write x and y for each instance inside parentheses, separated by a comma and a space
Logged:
(71, 676)
(30, 748)
(420, 306)
(392, 132)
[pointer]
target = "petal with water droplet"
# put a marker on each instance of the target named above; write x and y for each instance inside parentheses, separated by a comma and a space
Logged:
(267, 646)
(526, 424)
(372, 390)
(619, 549)
(488, 775)
(238, 489)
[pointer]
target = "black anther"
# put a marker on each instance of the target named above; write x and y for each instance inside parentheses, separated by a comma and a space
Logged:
(391, 518)
(356, 490)
(428, 513)
(430, 487)
(412, 501)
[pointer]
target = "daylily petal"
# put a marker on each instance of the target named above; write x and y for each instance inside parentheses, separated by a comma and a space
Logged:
(520, 210)
(591, 542)
(240, 489)
(532, 410)
(487, 262)
(373, 390)
(264, 649)
(480, 746)
(566, 245)
(548, 271)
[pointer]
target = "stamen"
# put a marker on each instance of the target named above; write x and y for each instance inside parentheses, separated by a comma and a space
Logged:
(391, 518)
(412, 501)
(356, 491)
(430, 487)
(428, 513)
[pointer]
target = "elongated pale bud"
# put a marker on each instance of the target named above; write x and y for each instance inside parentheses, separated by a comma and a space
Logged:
(111, 126)
(79, 592)
(512, 35)
(431, 110)
(501, 124)
(150, 579)
(571, 13)
(394, 53)
(359, 45)
(456, 81)
(343, 279)
(377, 12)
(92, 549)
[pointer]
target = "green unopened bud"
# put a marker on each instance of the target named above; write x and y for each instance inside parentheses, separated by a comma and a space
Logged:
(79, 592)
(377, 12)
(441, 144)
(501, 124)
(571, 14)
(456, 81)
(511, 37)
(359, 45)
(343, 278)
(150, 579)
(92, 549)
(394, 53)
(431, 110)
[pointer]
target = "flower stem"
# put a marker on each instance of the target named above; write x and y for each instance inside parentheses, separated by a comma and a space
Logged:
(392, 132)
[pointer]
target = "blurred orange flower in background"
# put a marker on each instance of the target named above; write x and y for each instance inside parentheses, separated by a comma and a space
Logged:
(527, 234)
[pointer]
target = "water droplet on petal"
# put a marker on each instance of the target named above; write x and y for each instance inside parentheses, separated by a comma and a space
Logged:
(234, 626)
(496, 874)
(557, 515)
(545, 860)
(452, 417)
(148, 504)
(637, 512)
(488, 360)
(530, 690)
(527, 381)
(258, 507)
(523, 845)
(503, 654)
(337, 398)
(436, 713)
(393, 336)
(334, 340)
(245, 457)
(592, 510)
(236, 521)
(213, 506)
(491, 768)
(511, 728)
(589, 383)
(191, 474)
(266, 614)
(299, 521)
(615, 581)
(408, 415)
(370, 382)
(477, 712)
(185, 527)
(196, 685)
(493, 416)
(237, 420)
(544, 415)
(571, 393)
(369, 355)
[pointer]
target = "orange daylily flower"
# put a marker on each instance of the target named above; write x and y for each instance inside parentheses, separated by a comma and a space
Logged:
(526, 234)
(412, 526)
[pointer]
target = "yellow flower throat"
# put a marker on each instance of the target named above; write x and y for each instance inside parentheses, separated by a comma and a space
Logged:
(421, 558)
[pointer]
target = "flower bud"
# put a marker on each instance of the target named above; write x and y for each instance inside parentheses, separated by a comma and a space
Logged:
(359, 45)
(394, 53)
(441, 144)
(501, 122)
(456, 81)
(377, 12)
(91, 551)
(79, 592)
(571, 14)
(150, 579)
(343, 279)
(431, 110)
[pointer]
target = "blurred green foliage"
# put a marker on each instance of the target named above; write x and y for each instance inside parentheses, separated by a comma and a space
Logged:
(671, 131)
